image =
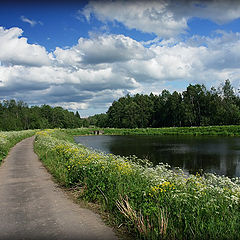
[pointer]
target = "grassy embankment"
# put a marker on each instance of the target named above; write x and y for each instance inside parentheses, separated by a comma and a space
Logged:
(9, 139)
(233, 130)
(154, 202)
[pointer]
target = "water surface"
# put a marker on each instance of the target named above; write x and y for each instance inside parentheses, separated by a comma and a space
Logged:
(220, 155)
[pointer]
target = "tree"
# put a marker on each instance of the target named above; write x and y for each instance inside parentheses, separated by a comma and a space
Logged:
(227, 91)
(77, 114)
(18, 116)
(196, 106)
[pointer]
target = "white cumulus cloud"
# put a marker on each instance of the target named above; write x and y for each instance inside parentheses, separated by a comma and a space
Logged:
(103, 49)
(15, 50)
(164, 18)
(100, 69)
(147, 16)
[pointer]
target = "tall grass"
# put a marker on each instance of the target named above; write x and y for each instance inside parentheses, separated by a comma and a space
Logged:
(9, 139)
(153, 202)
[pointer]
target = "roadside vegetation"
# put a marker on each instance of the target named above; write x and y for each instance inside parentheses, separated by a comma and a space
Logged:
(9, 139)
(154, 202)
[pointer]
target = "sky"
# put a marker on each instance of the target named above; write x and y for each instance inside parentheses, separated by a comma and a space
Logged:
(83, 55)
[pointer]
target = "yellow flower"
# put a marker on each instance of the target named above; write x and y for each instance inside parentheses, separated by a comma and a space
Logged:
(163, 187)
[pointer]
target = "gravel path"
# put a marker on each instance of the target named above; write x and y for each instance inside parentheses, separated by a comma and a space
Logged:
(33, 207)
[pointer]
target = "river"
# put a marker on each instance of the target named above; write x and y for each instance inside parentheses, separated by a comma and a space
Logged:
(220, 155)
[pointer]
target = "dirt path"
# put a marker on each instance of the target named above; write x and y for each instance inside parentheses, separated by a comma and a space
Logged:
(33, 207)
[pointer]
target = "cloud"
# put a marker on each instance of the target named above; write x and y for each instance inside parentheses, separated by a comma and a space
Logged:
(103, 79)
(151, 17)
(72, 105)
(102, 49)
(100, 69)
(97, 70)
(31, 22)
(163, 18)
(60, 84)
(219, 11)
(15, 50)
(219, 53)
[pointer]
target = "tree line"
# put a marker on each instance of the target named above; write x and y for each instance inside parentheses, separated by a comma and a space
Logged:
(19, 116)
(196, 106)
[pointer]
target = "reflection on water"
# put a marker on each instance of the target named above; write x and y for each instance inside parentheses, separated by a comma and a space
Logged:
(220, 155)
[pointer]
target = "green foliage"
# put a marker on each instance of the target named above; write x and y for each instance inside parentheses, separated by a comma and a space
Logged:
(155, 202)
(99, 120)
(18, 116)
(230, 130)
(196, 106)
(9, 139)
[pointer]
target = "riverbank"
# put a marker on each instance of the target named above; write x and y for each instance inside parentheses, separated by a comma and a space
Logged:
(153, 202)
(233, 130)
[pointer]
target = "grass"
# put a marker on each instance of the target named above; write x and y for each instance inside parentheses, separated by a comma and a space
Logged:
(153, 202)
(233, 130)
(10, 138)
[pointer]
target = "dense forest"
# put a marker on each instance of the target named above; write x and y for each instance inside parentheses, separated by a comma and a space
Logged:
(18, 116)
(196, 106)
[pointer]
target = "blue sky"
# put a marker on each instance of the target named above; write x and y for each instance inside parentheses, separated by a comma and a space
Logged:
(84, 55)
